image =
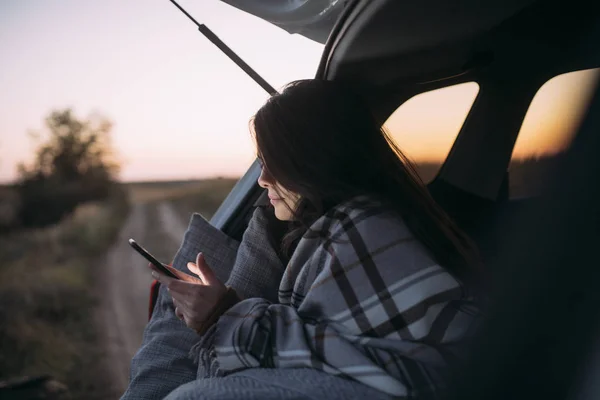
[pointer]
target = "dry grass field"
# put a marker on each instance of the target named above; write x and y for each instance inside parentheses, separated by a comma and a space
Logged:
(202, 196)
(47, 299)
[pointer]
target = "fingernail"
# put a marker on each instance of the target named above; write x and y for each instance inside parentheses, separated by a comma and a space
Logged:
(154, 275)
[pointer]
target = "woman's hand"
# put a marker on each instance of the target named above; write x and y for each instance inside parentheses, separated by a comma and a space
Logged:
(195, 299)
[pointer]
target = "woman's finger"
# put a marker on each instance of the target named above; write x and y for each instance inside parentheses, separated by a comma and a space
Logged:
(179, 310)
(189, 317)
(204, 271)
(183, 276)
(192, 311)
(193, 297)
(192, 306)
(189, 288)
(194, 269)
(162, 278)
(179, 314)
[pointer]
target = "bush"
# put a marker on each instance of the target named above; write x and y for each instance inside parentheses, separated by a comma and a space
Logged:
(73, 166)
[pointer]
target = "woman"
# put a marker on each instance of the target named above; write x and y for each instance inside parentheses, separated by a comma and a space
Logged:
(378, 288)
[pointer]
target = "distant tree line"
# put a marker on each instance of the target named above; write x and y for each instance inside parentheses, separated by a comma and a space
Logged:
(74, 163)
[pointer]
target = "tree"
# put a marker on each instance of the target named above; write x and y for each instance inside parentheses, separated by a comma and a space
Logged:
(76, 163)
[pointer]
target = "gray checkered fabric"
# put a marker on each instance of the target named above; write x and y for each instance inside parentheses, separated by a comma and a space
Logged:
(251, 267)
(361, 299)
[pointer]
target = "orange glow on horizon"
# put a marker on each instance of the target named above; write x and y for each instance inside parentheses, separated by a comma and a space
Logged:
(426, 126)
(555, 114)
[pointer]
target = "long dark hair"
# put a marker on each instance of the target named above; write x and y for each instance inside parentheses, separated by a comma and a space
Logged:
(319, 139)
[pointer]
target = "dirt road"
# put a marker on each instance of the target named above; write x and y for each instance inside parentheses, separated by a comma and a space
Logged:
(125, 283)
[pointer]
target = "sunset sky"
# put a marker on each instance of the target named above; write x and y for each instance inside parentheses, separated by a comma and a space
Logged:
(180, 107)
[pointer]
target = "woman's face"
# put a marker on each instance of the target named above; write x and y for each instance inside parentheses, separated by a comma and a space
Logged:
(282, 199)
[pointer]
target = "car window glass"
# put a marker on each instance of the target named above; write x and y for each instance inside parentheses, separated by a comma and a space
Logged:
(548, 128)
(425, 126)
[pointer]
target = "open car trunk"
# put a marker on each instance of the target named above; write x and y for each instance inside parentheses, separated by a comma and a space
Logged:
(419, 24)
(313, 19)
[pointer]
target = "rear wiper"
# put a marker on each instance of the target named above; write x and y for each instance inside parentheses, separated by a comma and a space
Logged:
(229, 53)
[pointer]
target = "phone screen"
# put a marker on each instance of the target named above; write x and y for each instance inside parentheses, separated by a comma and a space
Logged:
(152, 259)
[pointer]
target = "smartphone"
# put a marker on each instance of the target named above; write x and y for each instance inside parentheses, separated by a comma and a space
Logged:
(160, 266)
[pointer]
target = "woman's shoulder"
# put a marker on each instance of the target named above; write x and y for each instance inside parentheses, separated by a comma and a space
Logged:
(365, 231)
(363, 216)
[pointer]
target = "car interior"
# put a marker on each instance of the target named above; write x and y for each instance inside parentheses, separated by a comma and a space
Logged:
(509, 48)
(396, 50)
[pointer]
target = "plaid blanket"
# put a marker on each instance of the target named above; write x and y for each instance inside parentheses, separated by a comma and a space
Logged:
(361, 298)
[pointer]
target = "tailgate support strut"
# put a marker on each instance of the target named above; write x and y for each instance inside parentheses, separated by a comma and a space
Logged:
(229, 53)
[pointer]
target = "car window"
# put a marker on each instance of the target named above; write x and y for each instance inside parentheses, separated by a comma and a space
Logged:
(425, 126)
(548, 128)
